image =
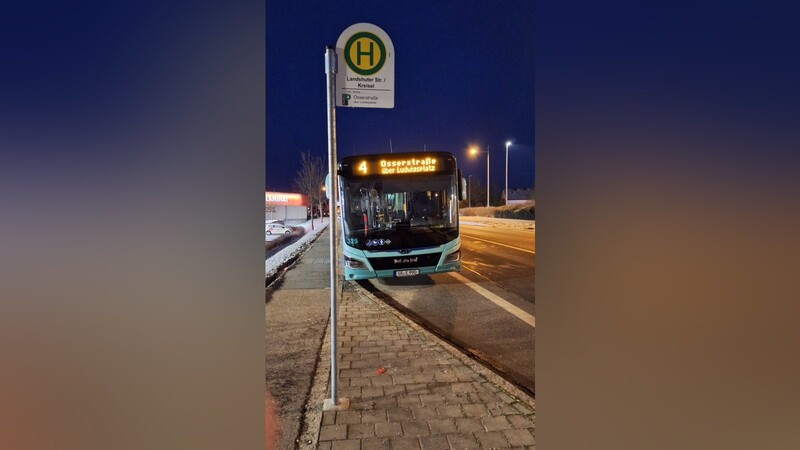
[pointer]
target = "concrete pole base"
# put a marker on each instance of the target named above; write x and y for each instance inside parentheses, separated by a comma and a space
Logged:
(342, 405)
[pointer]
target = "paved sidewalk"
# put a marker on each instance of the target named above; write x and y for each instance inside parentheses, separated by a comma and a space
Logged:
(430, 396)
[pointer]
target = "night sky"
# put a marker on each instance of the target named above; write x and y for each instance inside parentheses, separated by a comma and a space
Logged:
(464, 76)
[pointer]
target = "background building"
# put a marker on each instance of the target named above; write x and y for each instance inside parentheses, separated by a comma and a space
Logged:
(516, 196)
(288, 208)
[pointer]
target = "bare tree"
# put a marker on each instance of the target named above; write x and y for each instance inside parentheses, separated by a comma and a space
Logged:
(477, 192)
(309, 181)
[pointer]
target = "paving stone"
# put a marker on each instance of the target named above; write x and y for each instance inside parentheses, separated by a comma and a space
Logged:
(450, 411)
(505, 397)
(519, 437)
(442, 426)
(496, 423)
(349, 392)
(474, 397)
(456, 399)
(375, 443)
(403, 379)
(431, 399)
(331, 432)
(361, 404)
(324, 445)
(440, 388)
(360, 430)
(423, 413)
(405, 443)
(489, 397)
(491, 387)
(416, 428)
(408, 400)
(462, 442)
(350, 444)
(522, 408)
(383, 380)
(371, 391)
(399, 414)
(358, 364)
(388, 429)
(520, 421)
(328, 417)
(425, 378)
(372, 416)
(418, 388)
(385, 402)
(469, 424)
(446, 377)
(491, 439)
(474, 410)
(360, 382)
(500, 409)
(394, 390)
(434, 442)
(462, 387)
(344, 417)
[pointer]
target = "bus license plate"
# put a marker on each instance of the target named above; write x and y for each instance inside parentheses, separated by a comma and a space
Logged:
(406, 273)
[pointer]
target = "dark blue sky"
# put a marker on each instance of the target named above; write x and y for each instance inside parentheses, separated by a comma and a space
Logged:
(464, 75)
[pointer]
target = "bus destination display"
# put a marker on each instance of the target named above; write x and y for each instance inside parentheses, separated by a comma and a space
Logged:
(397, 165)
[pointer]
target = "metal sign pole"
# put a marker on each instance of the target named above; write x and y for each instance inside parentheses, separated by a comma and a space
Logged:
(334, 402)
(487, 176)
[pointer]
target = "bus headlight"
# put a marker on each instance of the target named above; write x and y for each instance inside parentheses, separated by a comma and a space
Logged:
(453, 257)
(351, 263)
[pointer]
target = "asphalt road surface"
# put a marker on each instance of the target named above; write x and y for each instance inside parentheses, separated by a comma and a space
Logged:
(488, 308)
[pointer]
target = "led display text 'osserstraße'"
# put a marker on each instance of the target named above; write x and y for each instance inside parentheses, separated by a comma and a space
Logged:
(411, 165)
(400, 166)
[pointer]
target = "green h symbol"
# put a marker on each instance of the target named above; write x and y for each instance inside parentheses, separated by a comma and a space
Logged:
(360, 53)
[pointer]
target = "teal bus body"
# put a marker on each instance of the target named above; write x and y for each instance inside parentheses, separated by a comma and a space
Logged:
(399, 214)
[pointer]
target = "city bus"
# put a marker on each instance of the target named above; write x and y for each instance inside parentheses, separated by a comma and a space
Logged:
(399, 214)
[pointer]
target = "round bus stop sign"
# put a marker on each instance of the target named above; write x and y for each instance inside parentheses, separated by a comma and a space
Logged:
(365, 78)
(365, 53)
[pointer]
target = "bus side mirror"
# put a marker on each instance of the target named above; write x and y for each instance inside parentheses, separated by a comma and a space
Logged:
(462, 193)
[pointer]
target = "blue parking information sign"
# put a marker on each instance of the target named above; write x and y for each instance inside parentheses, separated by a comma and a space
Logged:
(365, 60)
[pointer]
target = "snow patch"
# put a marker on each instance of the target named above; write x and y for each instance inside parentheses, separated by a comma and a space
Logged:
(494, 222)
(274, 263)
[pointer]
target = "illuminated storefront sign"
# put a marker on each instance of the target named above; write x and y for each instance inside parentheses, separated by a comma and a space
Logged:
(284, 199)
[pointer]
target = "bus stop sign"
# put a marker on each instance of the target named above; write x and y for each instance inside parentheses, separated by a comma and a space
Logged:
(365, 60)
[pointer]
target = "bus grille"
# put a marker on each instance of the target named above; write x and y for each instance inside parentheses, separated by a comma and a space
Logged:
(405, 261)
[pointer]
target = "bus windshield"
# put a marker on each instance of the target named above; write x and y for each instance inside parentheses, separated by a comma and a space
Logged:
(399, 212)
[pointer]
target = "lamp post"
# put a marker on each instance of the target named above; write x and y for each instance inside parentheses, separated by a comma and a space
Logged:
(508, 143)
(475, 151)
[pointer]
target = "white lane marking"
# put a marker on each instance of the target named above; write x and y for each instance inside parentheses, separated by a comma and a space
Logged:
(497, 243)
(520, 314)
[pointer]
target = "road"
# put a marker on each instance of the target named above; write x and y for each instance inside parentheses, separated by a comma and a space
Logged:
(488, 308)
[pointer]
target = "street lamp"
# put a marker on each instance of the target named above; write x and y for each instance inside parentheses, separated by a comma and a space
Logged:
(475, 151)
(508, 143)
